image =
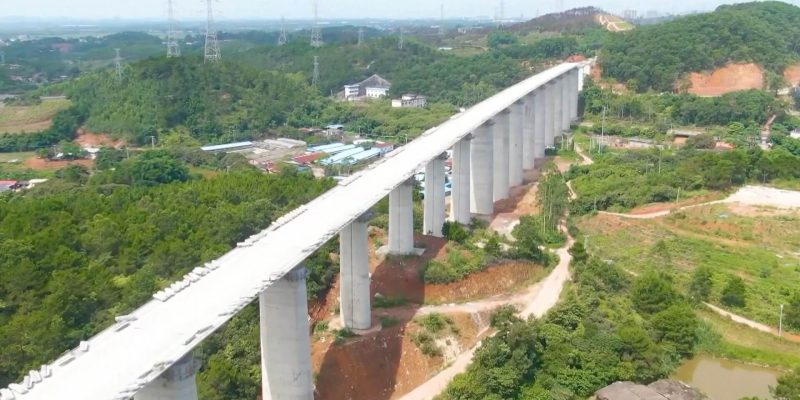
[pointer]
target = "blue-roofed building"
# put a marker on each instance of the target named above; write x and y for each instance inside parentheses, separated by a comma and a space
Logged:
(341, 157)
(364, 156)
(324, 147)
(228, 147)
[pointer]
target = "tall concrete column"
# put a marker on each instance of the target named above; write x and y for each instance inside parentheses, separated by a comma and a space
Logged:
(460, 198)
(551, 100)
(539, 121)
(434, 216)
(401, 220)
(354, 297)
(481, 175)
(575, 92)
(566, 100)
(285, 340)
(501, 155)
(176, 383)
(515, 139)
(528, 135)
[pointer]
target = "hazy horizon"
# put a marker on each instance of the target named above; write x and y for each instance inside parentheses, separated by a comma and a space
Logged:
(342, 9)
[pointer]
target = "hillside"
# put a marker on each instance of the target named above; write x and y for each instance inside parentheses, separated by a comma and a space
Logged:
(659, 56)
(573, 20)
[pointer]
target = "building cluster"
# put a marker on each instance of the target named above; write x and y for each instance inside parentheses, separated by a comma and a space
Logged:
(7, 185)
(376, 87)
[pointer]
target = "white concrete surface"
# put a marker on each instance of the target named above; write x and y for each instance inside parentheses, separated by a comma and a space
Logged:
(434, 211)
(500, 158)
(528, 144)
(401, 219)
(285, 340)
(551, 99)
(460, 204)
(124, 358)
(539, 120)
(179, 382)
(481, 175)
(354, 297)
(515, 138)
(566, 103)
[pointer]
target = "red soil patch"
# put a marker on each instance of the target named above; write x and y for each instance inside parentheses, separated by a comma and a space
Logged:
(42, 164)
(382, 365)
(89, 139)
(792, 75)
(729, 78)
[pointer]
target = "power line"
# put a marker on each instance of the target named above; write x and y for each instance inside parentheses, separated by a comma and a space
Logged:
(212, 53)
(173, 50)
(316, 32)
(282, 38)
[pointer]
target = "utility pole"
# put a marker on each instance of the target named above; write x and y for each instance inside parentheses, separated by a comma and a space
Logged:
(441, 20)
(152, 141)
(173, 50)
(282, 39)
(603, 130)
(118, 64)
(316, 33)
(360, 37)
(315, 76)
(212, 53)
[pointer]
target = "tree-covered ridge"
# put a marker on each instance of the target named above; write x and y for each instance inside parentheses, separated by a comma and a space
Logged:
(73, 257)
(656, 56)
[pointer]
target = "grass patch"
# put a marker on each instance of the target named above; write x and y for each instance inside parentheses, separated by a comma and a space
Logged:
(388, 302)
(757, 249)
(19, 119)
(722, 337)
(426, 343)
(434, 326)
(321, 326)
(387, 321)
(341, 335)
(459, 263)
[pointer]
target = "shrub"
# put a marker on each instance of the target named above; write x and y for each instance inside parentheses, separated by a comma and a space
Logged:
(735, 293)
(455, 232)
(426, 343)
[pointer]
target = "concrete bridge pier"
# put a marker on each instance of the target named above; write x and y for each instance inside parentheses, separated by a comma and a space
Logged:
(550, 114)
(575, 92)
(434, 215)
(528, 136)
(401, 220)
(515, 143)
(285, 340)
(354, 296)
(460, 201)
(566, 103)
(481, 175)
(500, 133)
(539, 127)
(178, 382)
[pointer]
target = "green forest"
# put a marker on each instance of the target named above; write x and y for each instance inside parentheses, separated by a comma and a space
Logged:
(655, 57)
(75, 255)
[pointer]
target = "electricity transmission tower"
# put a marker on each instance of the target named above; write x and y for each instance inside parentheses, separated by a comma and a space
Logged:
(282, 38)
(360, 36)
(316, 32)
(118, 64)
(501, 16)
(315, 76)
(402, 43)
(173, 50)
(212, 53)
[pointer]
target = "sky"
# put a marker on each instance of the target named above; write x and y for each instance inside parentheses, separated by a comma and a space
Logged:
(329, 9)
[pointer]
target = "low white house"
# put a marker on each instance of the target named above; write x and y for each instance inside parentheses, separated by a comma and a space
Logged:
(373, 87)
(410, 101)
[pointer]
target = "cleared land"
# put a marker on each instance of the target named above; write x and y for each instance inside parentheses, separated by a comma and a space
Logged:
(757, 243)
(19, 119)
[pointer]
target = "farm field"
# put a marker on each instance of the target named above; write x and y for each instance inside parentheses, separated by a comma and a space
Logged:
(19, 119)
(757, 244)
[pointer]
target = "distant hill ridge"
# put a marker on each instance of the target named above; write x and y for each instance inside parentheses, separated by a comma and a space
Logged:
(570, 20)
